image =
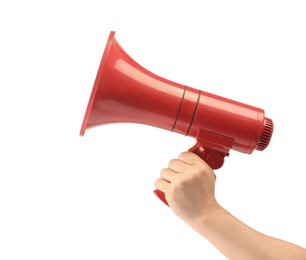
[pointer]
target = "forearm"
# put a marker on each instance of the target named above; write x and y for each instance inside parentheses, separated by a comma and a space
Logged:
(238, 241)
(188, 183)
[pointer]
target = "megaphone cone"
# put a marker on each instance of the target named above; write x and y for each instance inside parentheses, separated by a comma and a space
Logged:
(124, 91)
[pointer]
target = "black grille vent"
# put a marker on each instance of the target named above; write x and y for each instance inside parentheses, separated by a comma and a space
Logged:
(266, 135)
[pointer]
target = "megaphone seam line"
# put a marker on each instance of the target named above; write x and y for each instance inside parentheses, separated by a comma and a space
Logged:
(180, 108)
(194, 112)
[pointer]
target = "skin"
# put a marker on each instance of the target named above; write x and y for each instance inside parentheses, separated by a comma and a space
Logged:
(189, 187)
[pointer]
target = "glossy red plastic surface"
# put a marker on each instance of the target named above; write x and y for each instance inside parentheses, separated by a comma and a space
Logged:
(124, 91)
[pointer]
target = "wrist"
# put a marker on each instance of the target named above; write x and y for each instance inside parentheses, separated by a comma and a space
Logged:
(210, 213)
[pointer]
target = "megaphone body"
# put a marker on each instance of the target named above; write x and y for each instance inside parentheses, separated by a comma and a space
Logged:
(124, 91)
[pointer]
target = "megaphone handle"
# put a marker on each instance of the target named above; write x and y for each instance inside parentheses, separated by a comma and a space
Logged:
(161, 196)
(213, 158)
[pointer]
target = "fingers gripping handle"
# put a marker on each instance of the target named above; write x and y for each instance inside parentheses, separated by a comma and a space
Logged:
(212, 152)
(214, 159)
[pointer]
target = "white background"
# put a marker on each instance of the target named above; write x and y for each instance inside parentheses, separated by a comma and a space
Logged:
(63, 196)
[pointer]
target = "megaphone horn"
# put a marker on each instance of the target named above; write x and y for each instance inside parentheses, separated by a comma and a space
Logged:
(124, 91)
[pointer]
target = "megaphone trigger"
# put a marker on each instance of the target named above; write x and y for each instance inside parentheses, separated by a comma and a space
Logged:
(213, 158)
(212, 147)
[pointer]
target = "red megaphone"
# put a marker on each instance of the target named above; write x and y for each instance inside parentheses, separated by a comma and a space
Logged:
(124, 91)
